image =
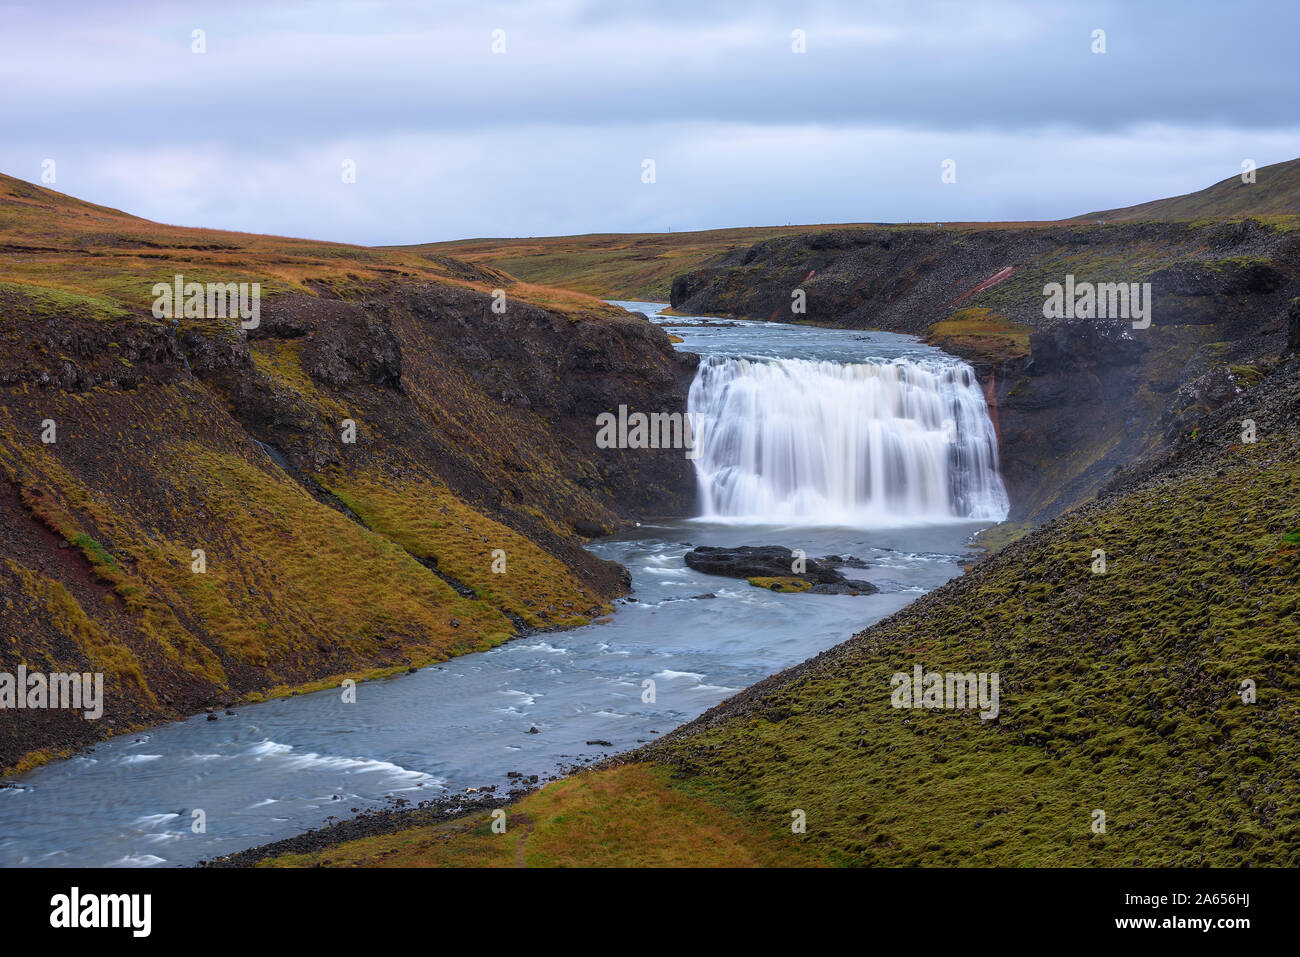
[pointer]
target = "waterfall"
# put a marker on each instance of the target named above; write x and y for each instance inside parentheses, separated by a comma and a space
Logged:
(867, 443)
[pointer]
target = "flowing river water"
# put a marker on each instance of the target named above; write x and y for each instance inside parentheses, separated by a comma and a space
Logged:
(869, 445)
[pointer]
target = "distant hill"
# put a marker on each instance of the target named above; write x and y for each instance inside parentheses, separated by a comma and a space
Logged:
(643, 265)
(637, 266)
(1275, 192)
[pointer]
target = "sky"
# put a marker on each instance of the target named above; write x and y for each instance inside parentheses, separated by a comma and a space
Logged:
(526, 118)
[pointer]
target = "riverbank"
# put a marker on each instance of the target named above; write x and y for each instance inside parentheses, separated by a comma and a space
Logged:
(633, 817)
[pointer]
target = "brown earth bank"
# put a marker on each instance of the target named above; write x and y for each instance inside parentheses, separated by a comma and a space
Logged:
(369, 824)
(385, 472)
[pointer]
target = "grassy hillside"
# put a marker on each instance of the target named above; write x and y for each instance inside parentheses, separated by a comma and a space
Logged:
(1120, 692)
(128, 444)
(609, 265)
(67, 248)
(1275, 192)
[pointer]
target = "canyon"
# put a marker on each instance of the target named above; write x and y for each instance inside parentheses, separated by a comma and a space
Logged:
(475, 434)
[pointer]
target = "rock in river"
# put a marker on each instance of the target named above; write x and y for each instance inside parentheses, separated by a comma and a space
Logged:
(774, 561)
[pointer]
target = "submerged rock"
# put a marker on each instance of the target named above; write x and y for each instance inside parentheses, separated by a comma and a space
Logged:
(850, 586)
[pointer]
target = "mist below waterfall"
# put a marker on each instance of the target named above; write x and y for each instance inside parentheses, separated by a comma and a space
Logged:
(844, 443)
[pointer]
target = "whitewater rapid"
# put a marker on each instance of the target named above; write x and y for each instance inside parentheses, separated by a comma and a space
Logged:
(876, 443)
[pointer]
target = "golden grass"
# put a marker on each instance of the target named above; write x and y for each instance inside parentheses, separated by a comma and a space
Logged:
(980, 334)
(629, 816)
(65, 251)
(503, 567)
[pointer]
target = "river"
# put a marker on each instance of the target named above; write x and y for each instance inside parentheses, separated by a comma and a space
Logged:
(902, 483)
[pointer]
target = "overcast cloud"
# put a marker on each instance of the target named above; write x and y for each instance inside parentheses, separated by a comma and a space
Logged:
(451, 140)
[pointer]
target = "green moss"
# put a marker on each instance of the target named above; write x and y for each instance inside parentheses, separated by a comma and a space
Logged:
(981, 335)
(505, 568)
(30, 299)
(999, 536)
(1246, 375)
(96, 553)
(781, 584)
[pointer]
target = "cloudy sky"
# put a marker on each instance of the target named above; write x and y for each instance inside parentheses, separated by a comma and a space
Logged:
(451, 139)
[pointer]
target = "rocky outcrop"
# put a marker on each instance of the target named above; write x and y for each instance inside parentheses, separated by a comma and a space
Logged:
(359, 349)
(776, 562)
(748, 561)
(849, 586)
(905, 278)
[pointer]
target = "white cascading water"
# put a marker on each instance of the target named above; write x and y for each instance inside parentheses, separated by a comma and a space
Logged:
(828, 443)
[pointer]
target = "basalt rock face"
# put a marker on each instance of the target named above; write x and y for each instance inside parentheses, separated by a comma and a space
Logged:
(523, 367)
(357, 349)
(1076, 398)
(1073, 392)
(904, 278)
(80, 353)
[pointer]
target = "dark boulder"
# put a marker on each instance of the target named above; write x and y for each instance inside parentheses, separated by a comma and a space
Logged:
(758, 561)
(590, 529)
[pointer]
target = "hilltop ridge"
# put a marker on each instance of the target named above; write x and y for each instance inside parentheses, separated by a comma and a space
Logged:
(1274, 191)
